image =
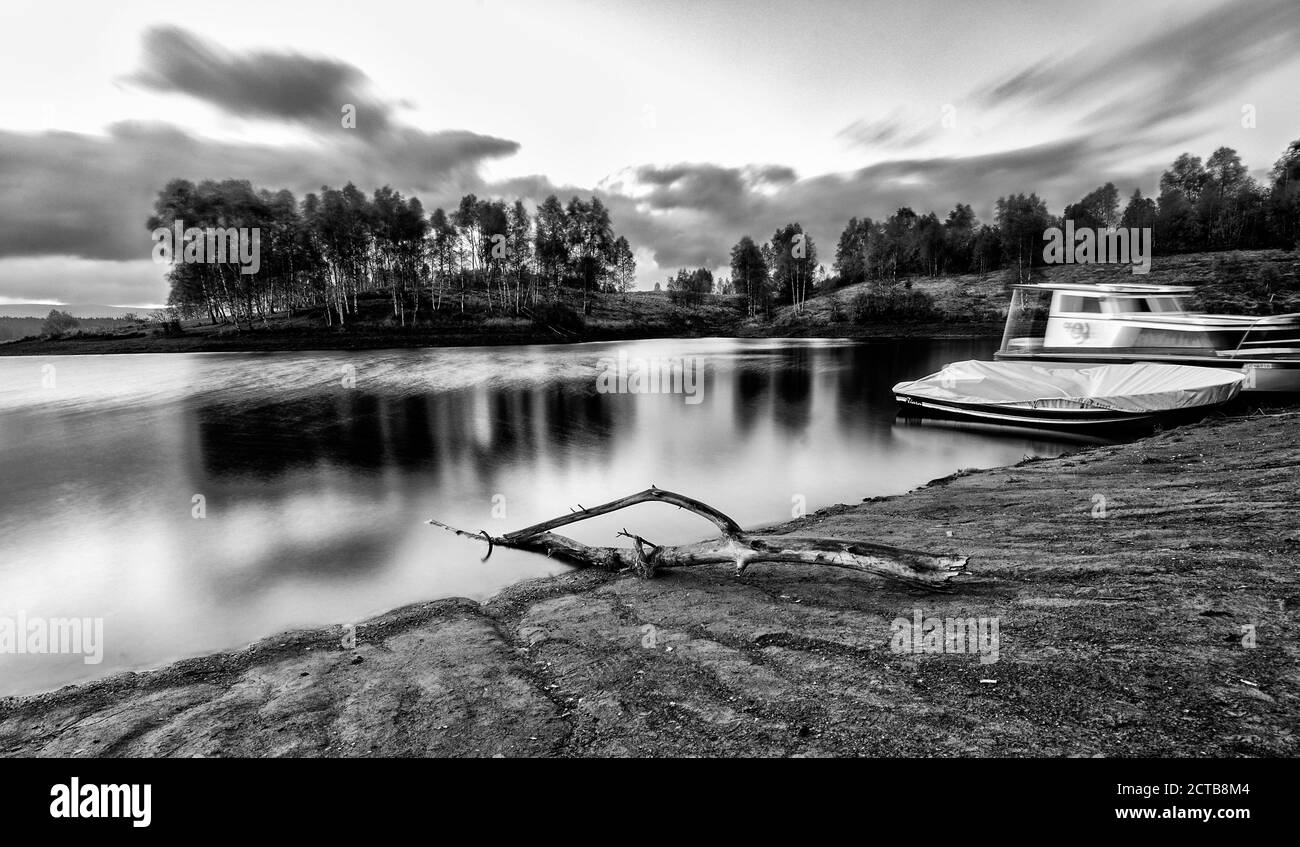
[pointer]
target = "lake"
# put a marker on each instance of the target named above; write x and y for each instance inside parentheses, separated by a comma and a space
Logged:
(199, 502)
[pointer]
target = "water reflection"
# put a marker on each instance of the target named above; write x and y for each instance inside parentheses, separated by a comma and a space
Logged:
(199, 502)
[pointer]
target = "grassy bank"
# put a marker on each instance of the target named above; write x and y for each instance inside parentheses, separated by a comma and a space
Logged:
(1251, 282)
(1120, 634)
(611, 317)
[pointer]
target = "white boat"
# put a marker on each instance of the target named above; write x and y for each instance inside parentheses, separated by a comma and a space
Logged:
(1071, 324)
(1071, 398)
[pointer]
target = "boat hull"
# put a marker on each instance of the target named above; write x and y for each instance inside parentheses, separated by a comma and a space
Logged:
(1099, 422)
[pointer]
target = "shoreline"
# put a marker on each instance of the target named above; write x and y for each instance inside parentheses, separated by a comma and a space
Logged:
(1119, 635)
(259, 341)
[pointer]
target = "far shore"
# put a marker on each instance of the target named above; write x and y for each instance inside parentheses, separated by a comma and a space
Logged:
(1146, 596)
(260, 340)
(953, 306)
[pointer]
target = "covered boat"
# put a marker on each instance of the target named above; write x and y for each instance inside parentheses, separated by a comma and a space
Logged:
(1078, 398)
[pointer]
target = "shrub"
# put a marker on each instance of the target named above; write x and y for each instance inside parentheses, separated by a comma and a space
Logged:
(57, 323)
(837, 313)
(559, 316)
(166, 329)
(893, 304)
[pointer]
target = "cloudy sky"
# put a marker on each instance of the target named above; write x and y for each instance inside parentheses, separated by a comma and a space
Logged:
(697, 122)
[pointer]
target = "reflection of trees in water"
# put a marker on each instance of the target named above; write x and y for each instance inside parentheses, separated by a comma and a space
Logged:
(280, 443)
(511, 416)
(752, 381)
(267, 439)
(851, 380)
(775, 384)
(493, 427)
(793, 383)
(867, 374)
(577, 416)
(866, 378)
(369, 432)
(412, 430)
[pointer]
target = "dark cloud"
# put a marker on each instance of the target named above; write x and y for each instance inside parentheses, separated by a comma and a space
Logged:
(84, 195)
(711, 187)
(264, 84)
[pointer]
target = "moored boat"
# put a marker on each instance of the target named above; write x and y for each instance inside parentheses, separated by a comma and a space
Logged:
(1070, 324)
(1071, 398)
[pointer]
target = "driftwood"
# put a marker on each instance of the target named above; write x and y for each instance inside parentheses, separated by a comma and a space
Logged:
(734, 546)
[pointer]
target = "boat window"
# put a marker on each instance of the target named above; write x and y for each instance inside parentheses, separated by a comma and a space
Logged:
(1128, 305)
(1166, 304)
(1173, 338)
(1075, 303)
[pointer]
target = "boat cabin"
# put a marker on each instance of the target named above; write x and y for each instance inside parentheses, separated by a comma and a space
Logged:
(1090, 324)
(1068, 317)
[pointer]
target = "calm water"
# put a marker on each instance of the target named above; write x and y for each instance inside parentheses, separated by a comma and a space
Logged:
(315, 490)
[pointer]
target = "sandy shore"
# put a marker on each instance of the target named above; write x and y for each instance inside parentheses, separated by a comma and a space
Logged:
(1118, 635)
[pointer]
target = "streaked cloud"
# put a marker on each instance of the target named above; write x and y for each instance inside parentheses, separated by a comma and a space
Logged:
(274, 85)
(1180, 69)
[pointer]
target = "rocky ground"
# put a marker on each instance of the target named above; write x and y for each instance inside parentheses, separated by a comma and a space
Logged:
(1128, 583)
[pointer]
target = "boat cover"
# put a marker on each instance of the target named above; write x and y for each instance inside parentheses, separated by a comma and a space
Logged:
(1142, 387)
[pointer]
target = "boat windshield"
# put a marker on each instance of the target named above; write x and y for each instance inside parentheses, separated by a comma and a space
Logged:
(1026, 320)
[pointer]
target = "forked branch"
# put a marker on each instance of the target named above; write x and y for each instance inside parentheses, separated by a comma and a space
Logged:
(734, 546)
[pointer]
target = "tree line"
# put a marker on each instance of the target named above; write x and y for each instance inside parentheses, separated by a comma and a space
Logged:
(781, 271)
(336, 245)
(1201, 206)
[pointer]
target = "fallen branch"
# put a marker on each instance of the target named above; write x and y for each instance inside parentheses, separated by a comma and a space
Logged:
(734, 546)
